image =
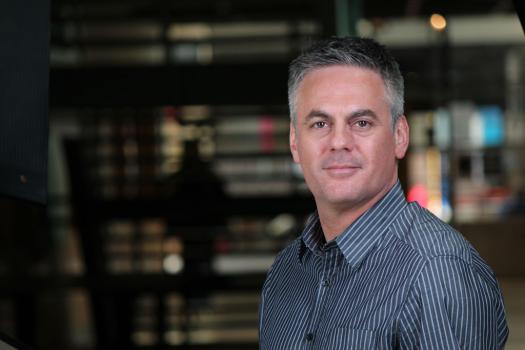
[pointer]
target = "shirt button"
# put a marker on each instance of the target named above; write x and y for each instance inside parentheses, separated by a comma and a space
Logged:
(325, 283)
(309, 336)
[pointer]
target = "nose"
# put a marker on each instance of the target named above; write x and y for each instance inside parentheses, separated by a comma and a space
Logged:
(341, 138)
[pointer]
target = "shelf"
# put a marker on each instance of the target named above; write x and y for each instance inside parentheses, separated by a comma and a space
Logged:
(141, 86)
(103, 209)
(132, 283)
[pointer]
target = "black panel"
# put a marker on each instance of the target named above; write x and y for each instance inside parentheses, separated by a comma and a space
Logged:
(24, 33)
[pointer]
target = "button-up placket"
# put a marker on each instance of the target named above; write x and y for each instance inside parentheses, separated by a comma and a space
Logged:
(327, 261)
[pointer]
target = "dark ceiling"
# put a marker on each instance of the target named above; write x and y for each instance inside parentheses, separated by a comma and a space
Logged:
(252, 9)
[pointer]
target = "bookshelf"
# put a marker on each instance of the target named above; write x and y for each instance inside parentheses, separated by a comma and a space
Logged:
(466, 158)
(169, 250)
(174, 216)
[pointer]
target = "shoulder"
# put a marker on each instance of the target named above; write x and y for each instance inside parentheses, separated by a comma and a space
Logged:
(430, 237)
(447, 253)
(291, 251)
(283, 259)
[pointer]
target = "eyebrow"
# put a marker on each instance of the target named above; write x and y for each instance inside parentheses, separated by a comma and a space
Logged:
(364, 112)
(316, 113)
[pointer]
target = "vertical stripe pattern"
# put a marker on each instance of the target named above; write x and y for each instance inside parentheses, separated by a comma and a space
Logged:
(397, 278)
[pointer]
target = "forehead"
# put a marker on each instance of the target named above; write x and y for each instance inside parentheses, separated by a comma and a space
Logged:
(341, 81)
(341, 73)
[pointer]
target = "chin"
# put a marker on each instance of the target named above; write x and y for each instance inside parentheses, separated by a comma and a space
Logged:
(341, 199)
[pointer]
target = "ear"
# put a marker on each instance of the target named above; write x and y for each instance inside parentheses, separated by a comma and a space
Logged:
(401, 137)
(293, 143)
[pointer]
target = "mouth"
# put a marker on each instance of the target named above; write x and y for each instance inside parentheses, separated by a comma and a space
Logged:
(341, 170)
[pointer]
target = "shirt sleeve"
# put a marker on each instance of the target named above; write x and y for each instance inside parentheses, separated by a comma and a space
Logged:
(453, 305)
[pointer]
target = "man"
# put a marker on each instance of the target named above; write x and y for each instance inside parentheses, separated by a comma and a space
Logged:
(370, 270)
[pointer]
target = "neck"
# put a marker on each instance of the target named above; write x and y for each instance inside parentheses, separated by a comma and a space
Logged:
(334, 222)
(335, 218)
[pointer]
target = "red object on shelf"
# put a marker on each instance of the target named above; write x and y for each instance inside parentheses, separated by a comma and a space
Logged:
(418, 193)
(266, 125)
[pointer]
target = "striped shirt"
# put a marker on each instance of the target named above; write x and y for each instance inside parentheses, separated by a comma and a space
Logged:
(396, 278)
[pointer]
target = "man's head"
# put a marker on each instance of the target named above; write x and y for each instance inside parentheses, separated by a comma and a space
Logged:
(357, 52)
(343, 134)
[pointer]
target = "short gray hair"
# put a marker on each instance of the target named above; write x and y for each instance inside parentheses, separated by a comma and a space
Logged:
(352, 51)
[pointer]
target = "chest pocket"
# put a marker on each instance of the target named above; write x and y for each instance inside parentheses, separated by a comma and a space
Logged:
(351, 339)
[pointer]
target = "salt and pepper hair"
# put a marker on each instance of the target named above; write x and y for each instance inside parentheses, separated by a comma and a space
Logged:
(351, 51)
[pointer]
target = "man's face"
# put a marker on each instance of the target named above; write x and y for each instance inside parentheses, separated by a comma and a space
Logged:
(343, 137)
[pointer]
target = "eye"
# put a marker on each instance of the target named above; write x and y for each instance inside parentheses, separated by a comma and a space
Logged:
(319, 125)
(363, 124)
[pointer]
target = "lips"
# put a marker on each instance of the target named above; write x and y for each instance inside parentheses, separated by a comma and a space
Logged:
(341, 170)
(337, 167)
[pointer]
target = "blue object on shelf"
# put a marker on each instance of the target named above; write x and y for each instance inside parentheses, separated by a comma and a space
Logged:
(493, 125)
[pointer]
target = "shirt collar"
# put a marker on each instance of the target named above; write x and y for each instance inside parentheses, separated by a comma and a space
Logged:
(360, 238)
(313, 234)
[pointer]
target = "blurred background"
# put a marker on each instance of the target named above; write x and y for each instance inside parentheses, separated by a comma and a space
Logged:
(170, 183)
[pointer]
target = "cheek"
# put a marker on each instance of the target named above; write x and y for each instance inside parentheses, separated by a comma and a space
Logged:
(309, 150)
(309, 162)
(384, 153)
